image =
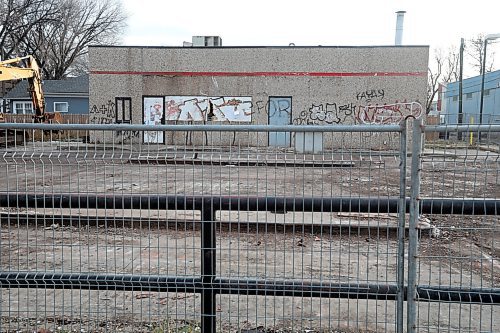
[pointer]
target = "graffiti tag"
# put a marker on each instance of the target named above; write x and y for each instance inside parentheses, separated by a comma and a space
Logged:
(389, 113)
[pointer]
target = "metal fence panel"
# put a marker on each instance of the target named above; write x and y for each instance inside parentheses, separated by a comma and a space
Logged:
(463, 250)
(213, 230)
(118, 234)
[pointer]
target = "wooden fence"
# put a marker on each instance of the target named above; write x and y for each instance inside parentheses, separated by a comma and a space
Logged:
(66, 119)
(28, 118)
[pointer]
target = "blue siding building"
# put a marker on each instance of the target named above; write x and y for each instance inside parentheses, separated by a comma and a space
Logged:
(471, 100)
(68, 96)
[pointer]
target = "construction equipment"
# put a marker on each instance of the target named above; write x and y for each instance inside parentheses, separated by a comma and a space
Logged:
(32, 73)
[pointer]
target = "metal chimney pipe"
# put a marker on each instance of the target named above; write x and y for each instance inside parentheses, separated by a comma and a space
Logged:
(399, 27)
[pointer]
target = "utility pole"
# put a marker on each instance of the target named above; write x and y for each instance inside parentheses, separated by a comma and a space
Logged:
(3, 107)
(483, 70)
(460, 88)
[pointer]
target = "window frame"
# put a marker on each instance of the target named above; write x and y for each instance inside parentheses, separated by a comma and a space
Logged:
(122, 112)
(23, 108)
(67, 107)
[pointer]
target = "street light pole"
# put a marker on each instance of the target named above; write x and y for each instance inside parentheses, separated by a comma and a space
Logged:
(460, 86)
(486, 39)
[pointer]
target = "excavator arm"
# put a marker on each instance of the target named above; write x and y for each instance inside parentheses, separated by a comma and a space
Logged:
(32, 74)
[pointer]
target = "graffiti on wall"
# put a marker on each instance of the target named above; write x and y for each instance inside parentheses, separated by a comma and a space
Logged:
(370, 109)
(127, 135)
(273, 105)
(333, 113)
(369, 95)
(389, 113)
(260, 106)
(104, 114)
(200, 108)
(327, 113)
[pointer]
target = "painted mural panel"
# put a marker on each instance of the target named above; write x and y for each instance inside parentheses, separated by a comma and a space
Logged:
(185, 108)
(232, 108)
(153, 115)
(199, 108)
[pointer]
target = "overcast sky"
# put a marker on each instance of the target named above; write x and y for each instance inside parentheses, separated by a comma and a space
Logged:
(438, 23)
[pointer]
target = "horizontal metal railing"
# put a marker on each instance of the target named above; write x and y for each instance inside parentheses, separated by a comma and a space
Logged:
(472, 206)
(204, 127)
(294, 288)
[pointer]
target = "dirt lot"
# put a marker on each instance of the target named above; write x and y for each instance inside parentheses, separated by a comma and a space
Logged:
(453, 251)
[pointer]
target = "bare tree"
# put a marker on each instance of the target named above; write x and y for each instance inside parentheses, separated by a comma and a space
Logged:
(61, 45)
(475, 50)
(452, 69)
(444, 69)
(18, 18)
(433, 77)
(58, 32)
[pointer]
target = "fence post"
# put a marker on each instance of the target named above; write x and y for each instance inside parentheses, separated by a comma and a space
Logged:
(401, 228)
(208, 266)
(413, 223)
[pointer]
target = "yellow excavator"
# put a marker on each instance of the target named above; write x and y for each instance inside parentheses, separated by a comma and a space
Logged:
(31, 72)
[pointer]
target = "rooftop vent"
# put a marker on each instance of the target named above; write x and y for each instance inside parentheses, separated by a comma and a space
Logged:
(207, 41)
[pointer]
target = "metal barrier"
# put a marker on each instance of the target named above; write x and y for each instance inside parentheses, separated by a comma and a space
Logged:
(213, 230)
(463, 251)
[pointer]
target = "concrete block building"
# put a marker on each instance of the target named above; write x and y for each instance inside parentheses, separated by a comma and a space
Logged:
(250, 85)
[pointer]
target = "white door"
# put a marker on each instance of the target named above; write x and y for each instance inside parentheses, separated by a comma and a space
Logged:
(154, 113)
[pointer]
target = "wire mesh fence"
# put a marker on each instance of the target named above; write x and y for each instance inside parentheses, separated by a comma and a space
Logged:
(463, 250)
(208, 228)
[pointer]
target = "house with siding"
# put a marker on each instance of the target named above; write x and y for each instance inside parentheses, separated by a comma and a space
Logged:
(67, 96)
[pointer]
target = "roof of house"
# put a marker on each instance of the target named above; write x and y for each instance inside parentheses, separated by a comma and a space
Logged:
(72, 86)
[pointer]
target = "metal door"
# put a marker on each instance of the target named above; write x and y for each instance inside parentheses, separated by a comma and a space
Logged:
(280, 113)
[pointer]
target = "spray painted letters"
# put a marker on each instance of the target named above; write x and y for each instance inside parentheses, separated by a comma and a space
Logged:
(105, 114)
(369, 95)
(327, 113)
(389, 113)
(199, 108)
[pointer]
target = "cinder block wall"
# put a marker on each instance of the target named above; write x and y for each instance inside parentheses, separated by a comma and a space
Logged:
(334, 82)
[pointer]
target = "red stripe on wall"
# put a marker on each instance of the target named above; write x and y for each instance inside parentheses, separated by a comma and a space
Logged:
(319, 74)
